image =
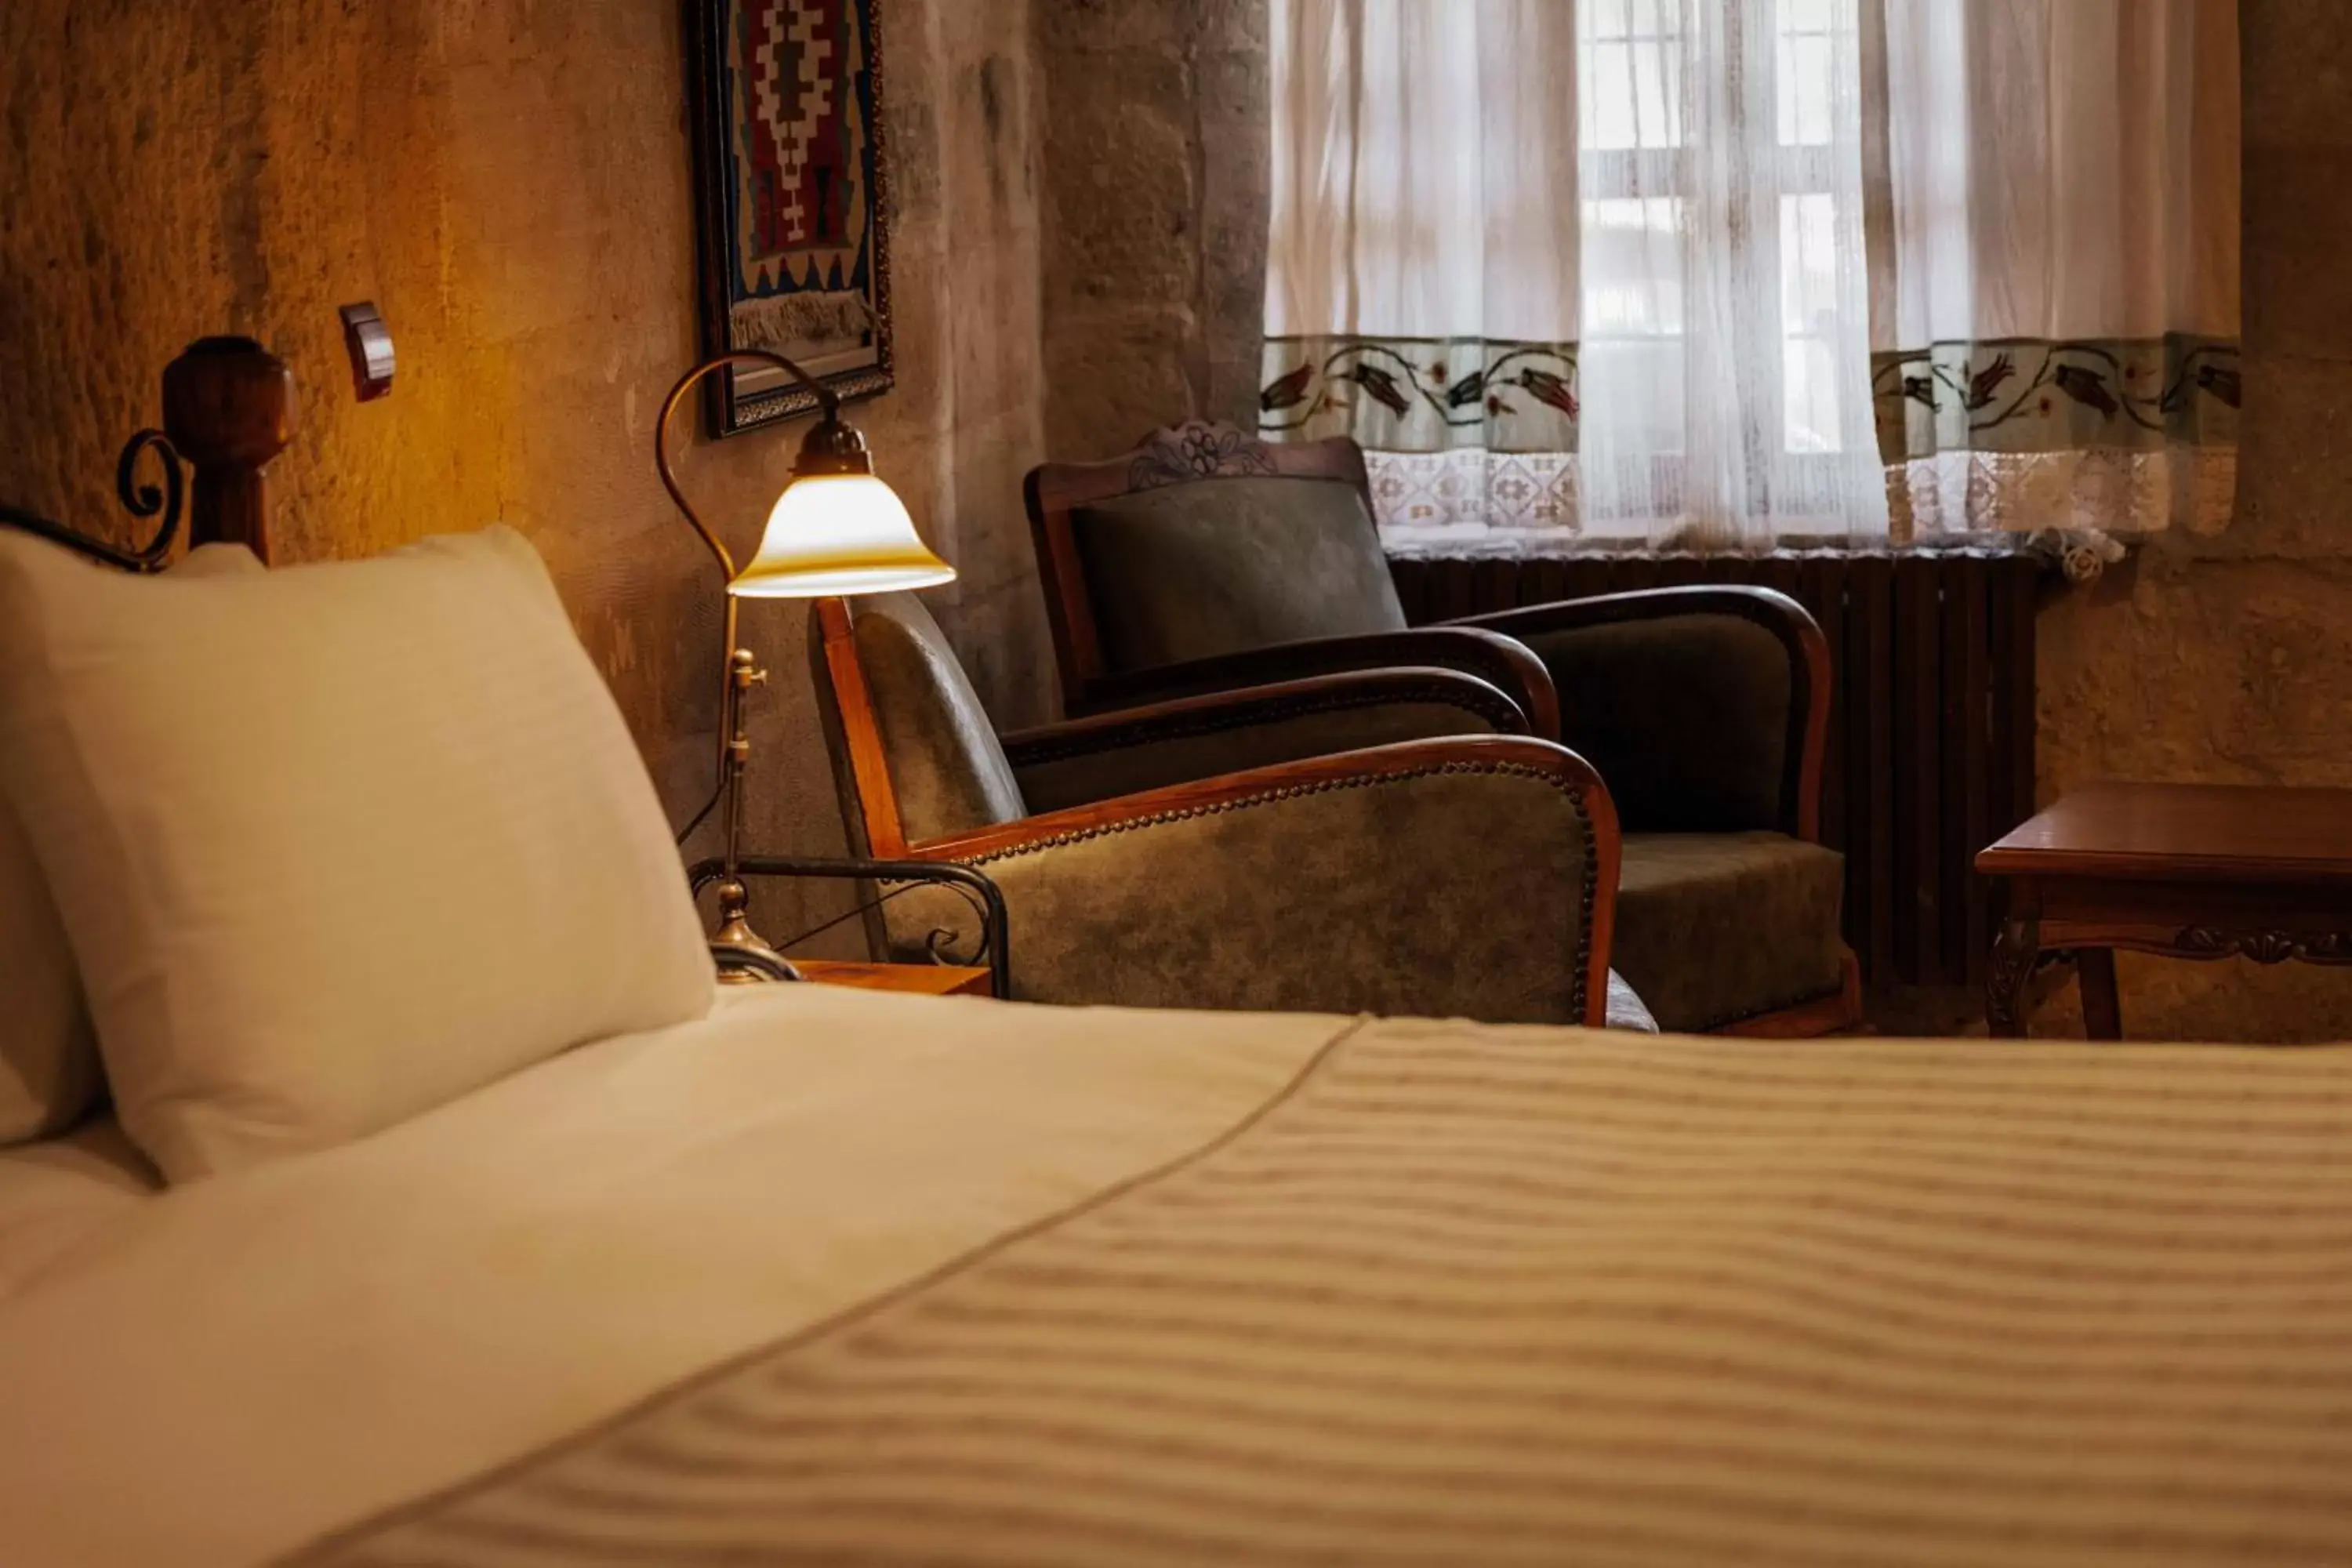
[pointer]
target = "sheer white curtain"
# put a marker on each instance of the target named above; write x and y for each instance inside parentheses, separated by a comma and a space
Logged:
(1578, 272)
(1724, 273)
(1726, 290)
(2058, 330)
(1422, 295)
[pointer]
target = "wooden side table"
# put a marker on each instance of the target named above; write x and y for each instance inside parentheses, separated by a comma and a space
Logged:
(2196, 871)
(915, 979)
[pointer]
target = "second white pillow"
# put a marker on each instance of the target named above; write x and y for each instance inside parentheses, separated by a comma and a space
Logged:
(49, 1058)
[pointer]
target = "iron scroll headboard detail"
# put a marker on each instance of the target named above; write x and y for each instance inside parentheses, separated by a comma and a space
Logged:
(141, 500)
(228, 409)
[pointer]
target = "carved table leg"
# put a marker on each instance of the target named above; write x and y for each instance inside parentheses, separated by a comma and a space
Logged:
(2094, 974)
(2012, 965)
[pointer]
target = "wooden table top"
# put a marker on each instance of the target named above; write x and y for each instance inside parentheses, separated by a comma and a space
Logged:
(917, 979)
(2184, 832)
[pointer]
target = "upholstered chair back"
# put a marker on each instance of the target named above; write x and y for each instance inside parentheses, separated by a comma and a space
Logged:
(1224, 565)
(1204, 541)
(948, 774)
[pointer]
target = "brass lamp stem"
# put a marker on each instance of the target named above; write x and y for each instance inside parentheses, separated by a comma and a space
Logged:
(741, 670)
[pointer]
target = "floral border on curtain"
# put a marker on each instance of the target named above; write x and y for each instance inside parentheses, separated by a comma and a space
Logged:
(1469, 442)
(1423, 395)
(2029, 435)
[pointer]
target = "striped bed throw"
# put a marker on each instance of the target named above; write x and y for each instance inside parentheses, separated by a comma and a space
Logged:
(1490, 1296)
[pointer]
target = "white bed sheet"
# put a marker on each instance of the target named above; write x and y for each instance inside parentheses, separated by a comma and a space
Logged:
(61, 1190)
(243, 1364)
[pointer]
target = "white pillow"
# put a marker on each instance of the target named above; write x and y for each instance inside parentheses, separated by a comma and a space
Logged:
(333, 844)
(48, 1056)
(49, 1060)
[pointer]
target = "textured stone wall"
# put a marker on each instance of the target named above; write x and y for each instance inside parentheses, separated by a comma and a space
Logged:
(2229, 659)
(509, 180)
(1154, 149)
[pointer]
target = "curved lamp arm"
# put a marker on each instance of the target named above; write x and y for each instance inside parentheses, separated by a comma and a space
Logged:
(828, 404)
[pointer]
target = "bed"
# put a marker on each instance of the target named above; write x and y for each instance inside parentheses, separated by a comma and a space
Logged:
(56, 1191)
(417, 1236)
(1229, 1288)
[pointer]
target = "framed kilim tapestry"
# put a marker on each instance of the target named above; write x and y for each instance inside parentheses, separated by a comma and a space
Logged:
(791, 195)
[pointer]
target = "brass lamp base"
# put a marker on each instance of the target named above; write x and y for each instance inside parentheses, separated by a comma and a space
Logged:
(735, 931)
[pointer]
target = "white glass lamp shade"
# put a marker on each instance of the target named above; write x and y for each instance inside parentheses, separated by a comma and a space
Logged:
(837, 534)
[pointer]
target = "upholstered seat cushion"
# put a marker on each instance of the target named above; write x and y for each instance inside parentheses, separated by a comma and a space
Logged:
(1712, 928)
(1626, 1011)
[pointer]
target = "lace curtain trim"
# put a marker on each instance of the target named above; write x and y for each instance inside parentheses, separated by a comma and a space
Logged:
(2074, 505)
(2123, 493)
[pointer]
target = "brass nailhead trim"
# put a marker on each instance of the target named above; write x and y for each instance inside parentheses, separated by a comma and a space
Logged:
(1568, 789)
(1300, 708)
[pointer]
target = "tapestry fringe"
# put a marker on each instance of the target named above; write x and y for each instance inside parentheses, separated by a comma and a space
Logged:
(797, 325)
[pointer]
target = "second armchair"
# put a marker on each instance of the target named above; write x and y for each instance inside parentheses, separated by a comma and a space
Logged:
(1206, 558)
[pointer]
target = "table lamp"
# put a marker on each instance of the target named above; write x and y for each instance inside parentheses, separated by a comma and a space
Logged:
(836, 529)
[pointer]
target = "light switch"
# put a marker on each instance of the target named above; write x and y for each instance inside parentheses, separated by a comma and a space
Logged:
(369, 342)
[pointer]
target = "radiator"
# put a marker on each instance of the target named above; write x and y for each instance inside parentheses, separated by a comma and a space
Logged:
(1931, 728)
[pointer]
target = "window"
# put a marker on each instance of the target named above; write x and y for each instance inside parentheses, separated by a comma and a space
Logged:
(1631, 60)
(1576, 269)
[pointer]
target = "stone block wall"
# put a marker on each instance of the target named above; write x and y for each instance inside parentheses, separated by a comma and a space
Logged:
(2228, 659)
(1153, 152)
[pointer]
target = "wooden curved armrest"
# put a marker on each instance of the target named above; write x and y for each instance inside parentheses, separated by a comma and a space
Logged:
(1807, 648)
(1507, 755)
(1255, 705)
(1500, 660)
(1765, 606)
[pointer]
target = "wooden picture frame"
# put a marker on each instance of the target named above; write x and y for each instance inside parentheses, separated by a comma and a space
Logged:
(792, 249)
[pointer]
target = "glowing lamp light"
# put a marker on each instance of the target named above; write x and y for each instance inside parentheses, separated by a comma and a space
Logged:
(839, 533)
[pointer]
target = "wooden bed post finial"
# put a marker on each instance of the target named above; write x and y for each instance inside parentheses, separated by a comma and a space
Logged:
(228, 407)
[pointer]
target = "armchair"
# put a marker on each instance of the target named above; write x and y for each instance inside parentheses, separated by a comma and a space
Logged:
(1262, 579)
(1206, 554)
(1218, 851)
